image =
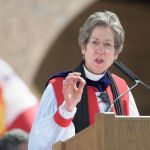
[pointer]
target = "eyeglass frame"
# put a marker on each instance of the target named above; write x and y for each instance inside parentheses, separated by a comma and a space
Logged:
(107, 46)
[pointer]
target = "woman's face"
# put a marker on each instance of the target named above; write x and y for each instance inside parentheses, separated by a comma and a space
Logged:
(99, 53)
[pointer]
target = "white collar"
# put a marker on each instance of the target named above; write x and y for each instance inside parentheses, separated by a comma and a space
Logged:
(91, 76)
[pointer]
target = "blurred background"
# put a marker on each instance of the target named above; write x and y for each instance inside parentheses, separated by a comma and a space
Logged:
(39, 38)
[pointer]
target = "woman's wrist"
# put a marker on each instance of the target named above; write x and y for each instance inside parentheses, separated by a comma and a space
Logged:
(69, 107)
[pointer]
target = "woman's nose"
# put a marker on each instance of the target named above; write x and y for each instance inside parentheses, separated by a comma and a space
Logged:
(100, 48)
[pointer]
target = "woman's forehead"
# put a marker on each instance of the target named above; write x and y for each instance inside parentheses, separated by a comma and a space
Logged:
(101, 32)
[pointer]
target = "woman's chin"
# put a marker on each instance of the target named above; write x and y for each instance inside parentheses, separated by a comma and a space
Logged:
(98, 71)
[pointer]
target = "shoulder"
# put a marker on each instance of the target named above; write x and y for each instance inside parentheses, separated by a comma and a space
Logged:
(121, 83)
(118, 79)
(57, 78)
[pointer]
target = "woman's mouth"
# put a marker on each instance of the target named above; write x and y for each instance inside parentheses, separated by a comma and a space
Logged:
(99, 61)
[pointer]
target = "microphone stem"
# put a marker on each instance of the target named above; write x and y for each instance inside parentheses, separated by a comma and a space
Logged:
(136, 83)
(145, 85)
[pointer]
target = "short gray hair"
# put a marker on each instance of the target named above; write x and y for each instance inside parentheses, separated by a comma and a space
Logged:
(108, 19)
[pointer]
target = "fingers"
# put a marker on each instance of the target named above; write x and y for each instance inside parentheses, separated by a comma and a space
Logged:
(74, 80)
(81, 85)
(72, 89)
(74, 74)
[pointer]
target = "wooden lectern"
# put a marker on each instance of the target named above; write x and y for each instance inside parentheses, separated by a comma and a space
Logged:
(111, 132)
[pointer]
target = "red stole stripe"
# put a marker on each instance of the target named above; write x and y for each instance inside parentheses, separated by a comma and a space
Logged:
(92, 99)
(58, 86)
(92, 103)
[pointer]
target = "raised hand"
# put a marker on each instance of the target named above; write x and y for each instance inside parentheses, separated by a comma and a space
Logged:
(72, 89)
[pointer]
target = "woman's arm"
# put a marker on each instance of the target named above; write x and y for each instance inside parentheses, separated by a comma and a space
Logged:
(45, 131)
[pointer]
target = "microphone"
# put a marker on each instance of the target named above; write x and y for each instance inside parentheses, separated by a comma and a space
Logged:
(132, 76)
(126, 71)
(118, 64)
(118, 98)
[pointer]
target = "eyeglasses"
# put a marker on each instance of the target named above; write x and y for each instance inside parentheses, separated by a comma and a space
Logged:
(106, 46)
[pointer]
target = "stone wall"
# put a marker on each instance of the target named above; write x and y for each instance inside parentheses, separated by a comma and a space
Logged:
(29, 27)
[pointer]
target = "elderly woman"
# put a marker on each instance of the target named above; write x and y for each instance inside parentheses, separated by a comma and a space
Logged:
(71, 99)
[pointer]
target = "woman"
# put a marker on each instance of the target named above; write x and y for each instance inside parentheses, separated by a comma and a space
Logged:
(72, 99)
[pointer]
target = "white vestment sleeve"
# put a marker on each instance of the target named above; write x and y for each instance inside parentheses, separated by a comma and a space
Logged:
(133, 111)
(45, 131)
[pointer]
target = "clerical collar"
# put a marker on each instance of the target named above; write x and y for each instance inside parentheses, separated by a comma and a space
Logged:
(92, 76)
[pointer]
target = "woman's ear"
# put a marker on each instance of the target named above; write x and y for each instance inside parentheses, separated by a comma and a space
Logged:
(83, 49)
(116, 55)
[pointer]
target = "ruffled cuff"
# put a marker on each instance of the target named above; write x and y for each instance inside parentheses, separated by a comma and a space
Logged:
(63, 117)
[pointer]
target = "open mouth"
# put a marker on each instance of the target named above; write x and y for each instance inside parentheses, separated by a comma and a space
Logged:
(99, 61)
